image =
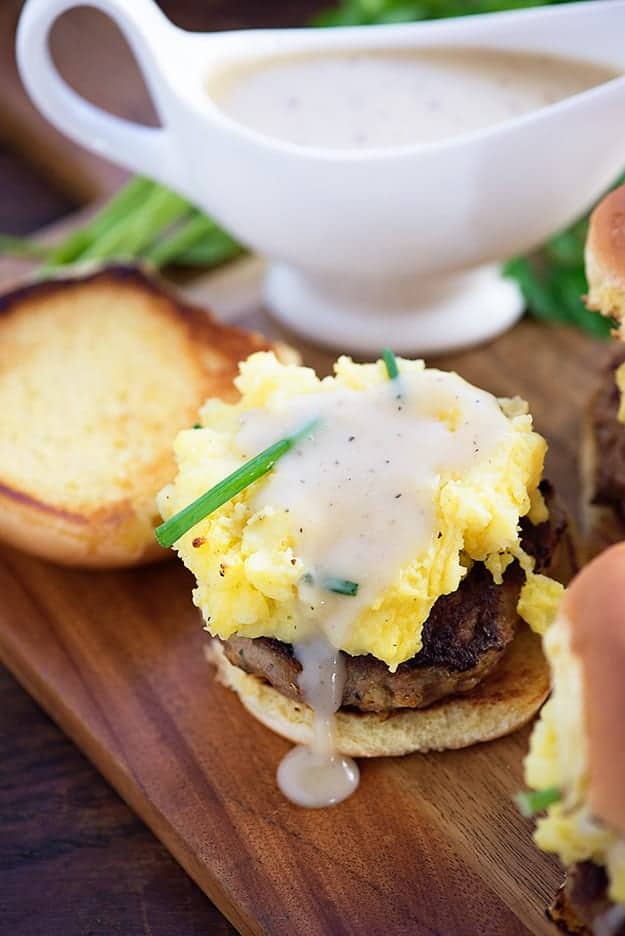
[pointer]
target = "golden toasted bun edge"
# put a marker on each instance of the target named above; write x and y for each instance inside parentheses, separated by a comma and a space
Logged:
(504, 702)
(117, 533)
(116, 536)
(605, 258)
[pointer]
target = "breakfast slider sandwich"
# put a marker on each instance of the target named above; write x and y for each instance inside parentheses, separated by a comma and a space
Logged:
(603, 439)
(371, 544)
(576, 762)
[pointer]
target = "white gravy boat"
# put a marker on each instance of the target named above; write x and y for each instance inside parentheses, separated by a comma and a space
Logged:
(396, 246)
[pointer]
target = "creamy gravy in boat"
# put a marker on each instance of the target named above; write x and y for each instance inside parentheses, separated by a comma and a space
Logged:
(362, 100)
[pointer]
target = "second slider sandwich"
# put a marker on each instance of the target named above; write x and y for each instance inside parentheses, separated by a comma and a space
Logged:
(603, 441)
(402, 522)
(576, 762)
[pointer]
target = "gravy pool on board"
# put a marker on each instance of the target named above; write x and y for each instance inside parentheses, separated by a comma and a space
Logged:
(316, 775)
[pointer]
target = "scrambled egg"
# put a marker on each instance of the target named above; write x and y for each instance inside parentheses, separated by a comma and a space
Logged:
(246, 563)
(558, 758)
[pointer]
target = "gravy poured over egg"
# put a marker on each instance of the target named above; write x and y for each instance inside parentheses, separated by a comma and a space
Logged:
(395, 488)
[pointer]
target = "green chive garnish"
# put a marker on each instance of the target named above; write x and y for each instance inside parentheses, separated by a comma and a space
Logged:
(537, 801)
(390, 362)
(340, 586)
(171, 531)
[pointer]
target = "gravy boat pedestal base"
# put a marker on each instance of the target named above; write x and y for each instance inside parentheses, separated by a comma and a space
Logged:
(424, 315)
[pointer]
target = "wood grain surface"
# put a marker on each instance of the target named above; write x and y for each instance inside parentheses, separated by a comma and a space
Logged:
(74, 859)
(429, 844)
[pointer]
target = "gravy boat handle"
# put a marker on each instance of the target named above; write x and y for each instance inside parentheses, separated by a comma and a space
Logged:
(142, 149)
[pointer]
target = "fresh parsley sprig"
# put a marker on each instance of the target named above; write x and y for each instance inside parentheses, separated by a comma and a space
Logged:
(552, 279)
(371, 12)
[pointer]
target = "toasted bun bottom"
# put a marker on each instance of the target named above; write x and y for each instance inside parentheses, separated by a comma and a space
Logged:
(502, 703)
(563, 914)
(602, 525)
(598, 916)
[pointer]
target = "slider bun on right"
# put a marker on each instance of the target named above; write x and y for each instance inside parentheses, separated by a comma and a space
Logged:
(605, 258)
(578, 747)
(603, 426)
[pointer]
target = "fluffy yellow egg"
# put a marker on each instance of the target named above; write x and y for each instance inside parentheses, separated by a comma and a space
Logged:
(558, 758)
(246, 561)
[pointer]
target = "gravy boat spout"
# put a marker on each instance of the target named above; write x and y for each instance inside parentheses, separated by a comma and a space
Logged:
(392, 245)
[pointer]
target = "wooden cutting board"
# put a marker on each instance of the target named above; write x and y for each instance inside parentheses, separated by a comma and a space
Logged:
(428, 845)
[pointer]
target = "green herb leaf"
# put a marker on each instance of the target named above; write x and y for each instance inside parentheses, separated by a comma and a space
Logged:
(369, 12)
(171, 530)
(390, 362)
(340, 586)
(23, 247)
(536, 801)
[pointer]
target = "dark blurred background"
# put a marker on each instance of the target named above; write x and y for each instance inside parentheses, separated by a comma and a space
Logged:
(74, 860)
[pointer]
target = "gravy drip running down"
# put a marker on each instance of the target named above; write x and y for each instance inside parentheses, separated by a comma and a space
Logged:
(360, 490)
(316, 775)
(362, 100)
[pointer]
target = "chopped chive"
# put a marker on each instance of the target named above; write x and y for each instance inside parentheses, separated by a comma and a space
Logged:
(171, 530)
(136, 232)
(390, 362)
(196, 229)
(123, 203)
(196, 426)
(536, 801)
(340, 586)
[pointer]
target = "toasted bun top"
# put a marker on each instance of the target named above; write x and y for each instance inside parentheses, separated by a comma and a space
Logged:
(98, 373)
(594, 606)
(605, 258)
